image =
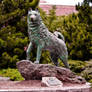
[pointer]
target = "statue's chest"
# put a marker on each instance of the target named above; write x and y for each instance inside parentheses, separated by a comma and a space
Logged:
(38, 35)
(35, 35)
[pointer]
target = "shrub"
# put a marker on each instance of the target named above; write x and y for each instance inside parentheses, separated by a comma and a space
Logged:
(13, 30)
(78, 39)
(8, 61)
(77, 66)
(87, 73)
(13, 74)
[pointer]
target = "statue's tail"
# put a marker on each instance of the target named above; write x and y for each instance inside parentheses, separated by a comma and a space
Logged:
(59, 35)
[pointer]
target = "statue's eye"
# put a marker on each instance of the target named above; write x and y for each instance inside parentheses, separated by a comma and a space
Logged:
(35, 14)
(29, 15)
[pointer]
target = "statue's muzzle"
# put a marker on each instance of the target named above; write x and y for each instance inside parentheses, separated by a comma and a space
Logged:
(32, 18)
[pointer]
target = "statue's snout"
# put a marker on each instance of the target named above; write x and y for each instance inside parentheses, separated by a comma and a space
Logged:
(32, 17)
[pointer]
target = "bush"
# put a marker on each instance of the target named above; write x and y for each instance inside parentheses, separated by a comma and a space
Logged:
(13, 74)
(13, 30)
(78, 39)
(11, 47)
(77, 66)
(8, 61)
(87, 73)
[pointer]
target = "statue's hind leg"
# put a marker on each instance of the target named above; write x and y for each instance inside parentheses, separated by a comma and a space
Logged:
(64, 60)
(54, 58)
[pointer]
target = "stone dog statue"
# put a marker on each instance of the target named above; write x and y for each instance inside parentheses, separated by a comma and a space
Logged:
(45, 40)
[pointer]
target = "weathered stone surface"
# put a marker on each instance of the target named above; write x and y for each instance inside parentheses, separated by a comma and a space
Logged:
(35, 86)
(4, 78)
(31, 71)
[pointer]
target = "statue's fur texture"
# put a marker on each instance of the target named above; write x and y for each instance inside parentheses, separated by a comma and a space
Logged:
(45, 40)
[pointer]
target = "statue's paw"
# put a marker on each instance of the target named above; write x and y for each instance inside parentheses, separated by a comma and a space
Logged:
(36, 62)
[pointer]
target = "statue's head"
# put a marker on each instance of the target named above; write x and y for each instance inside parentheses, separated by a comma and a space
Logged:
(33, 15)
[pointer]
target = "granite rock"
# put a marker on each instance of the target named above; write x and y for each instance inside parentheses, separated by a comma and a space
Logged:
(31, 71)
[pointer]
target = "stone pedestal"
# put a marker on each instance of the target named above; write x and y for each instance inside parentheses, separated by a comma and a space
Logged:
(35, 86)
(4, 78)
(31, 71)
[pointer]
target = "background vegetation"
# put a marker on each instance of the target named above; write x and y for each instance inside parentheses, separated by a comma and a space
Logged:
(76, 28)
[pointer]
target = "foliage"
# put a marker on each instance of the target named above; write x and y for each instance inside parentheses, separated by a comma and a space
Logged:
(77, 38)
(11, 46)
(77, 66)
(87, 73)
(85, 17)
(15, 9)
(13, 30)
(83, 69)
(52, 19)
(13, 74)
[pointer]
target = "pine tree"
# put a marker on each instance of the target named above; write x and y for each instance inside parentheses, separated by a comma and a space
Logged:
(85, 16)
(13, 30)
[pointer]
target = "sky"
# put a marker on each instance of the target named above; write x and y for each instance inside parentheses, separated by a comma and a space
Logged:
(64, 2)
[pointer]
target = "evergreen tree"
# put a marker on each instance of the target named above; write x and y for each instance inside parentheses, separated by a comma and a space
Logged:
(13, 30)
(85, 17)
(76, 35)
(51, 18)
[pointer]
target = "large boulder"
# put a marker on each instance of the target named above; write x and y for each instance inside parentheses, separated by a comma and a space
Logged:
(31, 71)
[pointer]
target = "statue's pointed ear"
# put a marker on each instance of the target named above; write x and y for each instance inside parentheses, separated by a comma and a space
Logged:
(30, 9)
(37, 9)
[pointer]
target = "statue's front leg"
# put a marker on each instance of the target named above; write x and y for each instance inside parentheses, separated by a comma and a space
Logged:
(39, 51)
(29, 51)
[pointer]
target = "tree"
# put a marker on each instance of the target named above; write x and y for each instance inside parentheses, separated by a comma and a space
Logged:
(13, 30)
(76, 36)
(85, 17)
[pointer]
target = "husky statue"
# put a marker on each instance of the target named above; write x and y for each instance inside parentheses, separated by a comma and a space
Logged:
(45, 40)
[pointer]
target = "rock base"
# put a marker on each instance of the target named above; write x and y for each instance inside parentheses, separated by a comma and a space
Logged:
(34, 73)
(35, 86)
(31, 71)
